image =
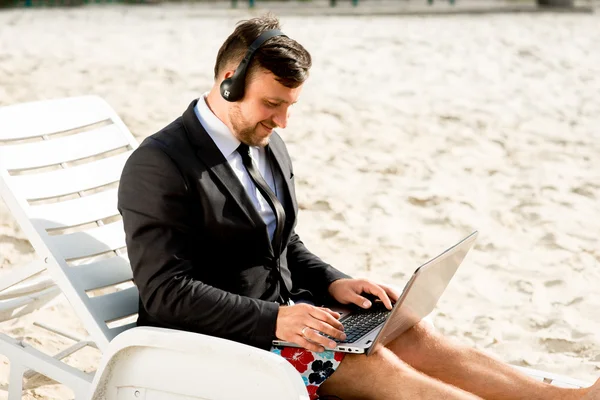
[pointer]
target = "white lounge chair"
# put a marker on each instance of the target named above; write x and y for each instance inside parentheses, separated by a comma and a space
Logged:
(60, 163)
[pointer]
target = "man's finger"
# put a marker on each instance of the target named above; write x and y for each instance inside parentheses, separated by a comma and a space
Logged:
(335, 315)
(324, 316)
(307, 344)
(391, 292)
(360, 300)
(315, 337)
(379, 292)
(327, 329)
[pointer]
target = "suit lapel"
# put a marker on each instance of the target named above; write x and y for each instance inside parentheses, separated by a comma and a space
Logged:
(208, 152)
(282, 161)
(283, 166)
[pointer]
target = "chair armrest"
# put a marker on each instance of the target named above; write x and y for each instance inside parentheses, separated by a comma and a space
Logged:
(165, 363)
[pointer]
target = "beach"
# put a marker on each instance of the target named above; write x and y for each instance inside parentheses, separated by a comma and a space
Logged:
(411, 133)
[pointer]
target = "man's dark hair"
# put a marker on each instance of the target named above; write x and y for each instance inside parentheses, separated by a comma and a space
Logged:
(287, 59)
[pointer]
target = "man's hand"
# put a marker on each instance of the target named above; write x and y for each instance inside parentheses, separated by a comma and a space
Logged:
(301, 324)
(348, 291)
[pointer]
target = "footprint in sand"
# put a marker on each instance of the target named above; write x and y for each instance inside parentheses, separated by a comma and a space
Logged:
(339, 217)
(584, 190)
(424, 201)
(328, 233)
(319, 205)
(21, 245)
(561, 345)
(554, 282)
(522, 286)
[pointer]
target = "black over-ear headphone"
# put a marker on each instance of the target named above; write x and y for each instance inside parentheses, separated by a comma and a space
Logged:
(232, 89)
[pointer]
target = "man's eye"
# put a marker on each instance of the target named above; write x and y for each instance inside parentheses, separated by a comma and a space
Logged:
(272, 104)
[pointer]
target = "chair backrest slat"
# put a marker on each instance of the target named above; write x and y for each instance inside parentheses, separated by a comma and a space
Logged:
(115, 305)
(78, 211)
(102, 273)
(90, 242)
(43, 118)
(62, 149)
(82, 255)
(62, 182)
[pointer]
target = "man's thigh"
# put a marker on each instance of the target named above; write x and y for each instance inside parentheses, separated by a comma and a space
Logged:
(359, 376)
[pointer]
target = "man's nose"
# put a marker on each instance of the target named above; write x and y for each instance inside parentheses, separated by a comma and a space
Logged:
(281, 118)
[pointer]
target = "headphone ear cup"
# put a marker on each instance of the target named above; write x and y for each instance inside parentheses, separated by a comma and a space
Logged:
(232, 89)
(226, 89)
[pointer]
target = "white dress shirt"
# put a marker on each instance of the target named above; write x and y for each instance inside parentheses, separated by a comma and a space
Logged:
(228, 144)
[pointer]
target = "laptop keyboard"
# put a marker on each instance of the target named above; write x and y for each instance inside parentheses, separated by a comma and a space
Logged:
(362, 322)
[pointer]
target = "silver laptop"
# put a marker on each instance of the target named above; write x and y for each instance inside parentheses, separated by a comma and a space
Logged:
(378, 325)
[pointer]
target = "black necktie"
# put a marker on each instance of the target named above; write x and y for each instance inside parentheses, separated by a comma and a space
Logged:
(267, 193)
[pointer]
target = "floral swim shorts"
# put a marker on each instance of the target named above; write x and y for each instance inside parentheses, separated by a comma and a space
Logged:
(314, 368)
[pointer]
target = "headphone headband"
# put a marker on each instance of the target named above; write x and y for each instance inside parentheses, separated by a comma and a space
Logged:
(232, 89)
(263, 37)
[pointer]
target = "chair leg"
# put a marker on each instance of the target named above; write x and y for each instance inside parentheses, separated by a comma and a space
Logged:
(62, 354)
(15, 382)
(32, 358)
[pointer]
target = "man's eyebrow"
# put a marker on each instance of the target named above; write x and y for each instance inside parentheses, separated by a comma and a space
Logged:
(278, 100)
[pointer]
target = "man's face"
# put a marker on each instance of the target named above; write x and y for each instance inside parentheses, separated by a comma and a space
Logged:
(265, 106)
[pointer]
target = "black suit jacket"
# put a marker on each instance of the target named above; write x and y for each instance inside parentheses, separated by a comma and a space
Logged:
(200, 252)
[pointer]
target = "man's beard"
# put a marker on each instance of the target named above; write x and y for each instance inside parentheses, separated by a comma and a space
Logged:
(244, 131)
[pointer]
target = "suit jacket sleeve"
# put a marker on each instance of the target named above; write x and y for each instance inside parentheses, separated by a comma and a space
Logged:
(155, 205)
(309, 271)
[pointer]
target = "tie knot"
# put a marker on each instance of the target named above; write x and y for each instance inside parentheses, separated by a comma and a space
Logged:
(244, 150)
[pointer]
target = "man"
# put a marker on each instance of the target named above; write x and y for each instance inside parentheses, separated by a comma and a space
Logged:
(209, 209)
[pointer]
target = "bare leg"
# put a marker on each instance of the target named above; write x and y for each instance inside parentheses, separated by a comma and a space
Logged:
(470, 369)
(383, 376)
(594, 392)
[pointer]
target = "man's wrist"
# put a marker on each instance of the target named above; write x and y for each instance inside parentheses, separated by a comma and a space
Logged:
(334, 281)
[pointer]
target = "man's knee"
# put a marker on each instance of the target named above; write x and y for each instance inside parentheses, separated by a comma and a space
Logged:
(422, 334)
(419, 344)
(373, 366)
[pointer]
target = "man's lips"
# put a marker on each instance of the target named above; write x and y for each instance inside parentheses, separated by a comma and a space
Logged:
(267, 127)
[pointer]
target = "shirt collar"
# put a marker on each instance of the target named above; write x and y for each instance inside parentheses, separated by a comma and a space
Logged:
(216, 129)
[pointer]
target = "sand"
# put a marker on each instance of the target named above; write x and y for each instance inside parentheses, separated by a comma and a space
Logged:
(410, 133)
